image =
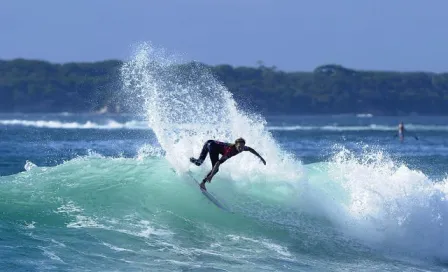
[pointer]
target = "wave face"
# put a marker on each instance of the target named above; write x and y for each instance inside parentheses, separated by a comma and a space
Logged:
(128, 214)
(137, 213)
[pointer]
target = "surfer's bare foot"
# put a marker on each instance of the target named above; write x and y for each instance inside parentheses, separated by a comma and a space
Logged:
(202, 185)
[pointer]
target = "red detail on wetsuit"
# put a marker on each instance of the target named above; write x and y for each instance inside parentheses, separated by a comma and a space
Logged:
(230, 151)
(226, 149)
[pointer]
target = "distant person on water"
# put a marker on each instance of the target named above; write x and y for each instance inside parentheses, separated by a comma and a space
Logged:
(227, 150)
(401, 131)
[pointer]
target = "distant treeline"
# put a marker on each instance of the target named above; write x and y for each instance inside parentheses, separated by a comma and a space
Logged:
(39, 86)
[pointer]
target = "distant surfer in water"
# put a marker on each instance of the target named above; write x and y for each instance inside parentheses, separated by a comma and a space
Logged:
(227, 150)
(401, 131)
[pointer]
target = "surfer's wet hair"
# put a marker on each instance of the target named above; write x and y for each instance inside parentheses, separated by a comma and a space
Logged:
(240, 140)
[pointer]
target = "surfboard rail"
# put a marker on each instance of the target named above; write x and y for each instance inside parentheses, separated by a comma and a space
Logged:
(210, 196)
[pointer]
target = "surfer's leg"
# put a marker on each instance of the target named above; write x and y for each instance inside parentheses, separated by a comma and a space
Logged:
(214, 157)
(203, 155)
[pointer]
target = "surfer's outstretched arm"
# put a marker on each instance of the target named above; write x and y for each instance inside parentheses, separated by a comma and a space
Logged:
(251, 150)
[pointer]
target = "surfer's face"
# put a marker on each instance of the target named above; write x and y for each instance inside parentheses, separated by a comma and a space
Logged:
(239, 146)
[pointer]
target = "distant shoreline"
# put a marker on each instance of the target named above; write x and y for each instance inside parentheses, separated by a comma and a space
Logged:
(32, 86)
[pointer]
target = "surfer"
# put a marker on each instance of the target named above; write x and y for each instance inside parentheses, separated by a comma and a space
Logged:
(401, 131)
(227, 150)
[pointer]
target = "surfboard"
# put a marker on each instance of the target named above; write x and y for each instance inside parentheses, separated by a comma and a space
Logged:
(207, 194)
(210, 196)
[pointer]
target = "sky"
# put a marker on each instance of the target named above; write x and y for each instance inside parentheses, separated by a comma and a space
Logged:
(293, 35)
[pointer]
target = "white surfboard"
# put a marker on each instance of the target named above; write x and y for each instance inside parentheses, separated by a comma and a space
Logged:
(209, 195)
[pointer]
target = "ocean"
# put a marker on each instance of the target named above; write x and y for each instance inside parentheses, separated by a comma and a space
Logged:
(105, 192)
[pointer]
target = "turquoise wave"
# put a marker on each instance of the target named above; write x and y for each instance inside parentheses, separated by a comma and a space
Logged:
(141, 209)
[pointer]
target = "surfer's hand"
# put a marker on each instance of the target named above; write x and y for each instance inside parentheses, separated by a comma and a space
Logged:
(264, 162)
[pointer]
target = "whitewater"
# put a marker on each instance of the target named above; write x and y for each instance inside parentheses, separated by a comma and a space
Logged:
(111, 193)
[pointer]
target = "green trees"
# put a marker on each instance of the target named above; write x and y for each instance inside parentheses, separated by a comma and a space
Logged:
(39, 86)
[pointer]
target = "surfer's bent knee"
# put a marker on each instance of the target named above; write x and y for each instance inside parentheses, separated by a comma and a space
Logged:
(208, 143)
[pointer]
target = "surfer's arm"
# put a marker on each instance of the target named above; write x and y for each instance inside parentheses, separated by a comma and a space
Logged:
(251, 150)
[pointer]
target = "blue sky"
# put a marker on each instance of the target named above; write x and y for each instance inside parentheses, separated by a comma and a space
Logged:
(293, 35)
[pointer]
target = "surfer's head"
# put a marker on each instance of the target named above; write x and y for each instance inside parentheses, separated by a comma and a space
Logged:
(239, 144)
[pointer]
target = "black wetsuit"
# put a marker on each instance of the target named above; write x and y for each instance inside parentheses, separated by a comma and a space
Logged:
(214, 148)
